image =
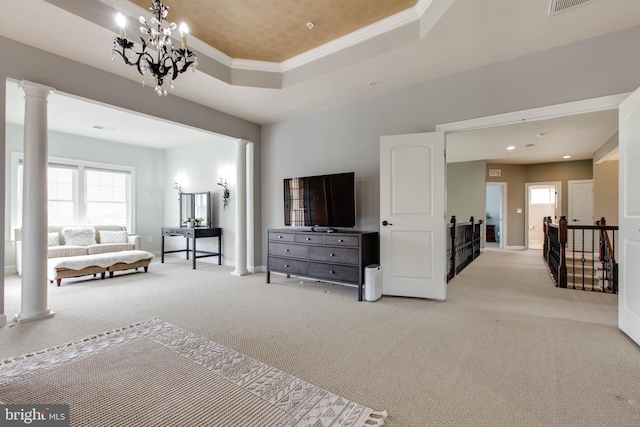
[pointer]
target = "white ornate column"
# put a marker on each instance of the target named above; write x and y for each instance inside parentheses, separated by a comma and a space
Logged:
(250, 208)
(241, 208)
(34, 206)
(3, 145)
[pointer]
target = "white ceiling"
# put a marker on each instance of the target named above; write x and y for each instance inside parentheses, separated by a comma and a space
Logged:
(80, 117)
(470, 33)
(543, 141)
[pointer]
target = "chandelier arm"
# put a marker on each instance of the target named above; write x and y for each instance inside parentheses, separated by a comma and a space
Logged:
(158, 55)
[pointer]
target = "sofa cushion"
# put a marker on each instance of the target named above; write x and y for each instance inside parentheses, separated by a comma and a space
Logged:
(53, 239)
(109, 247)
(65, 251)
(79, 236)
(112, 236)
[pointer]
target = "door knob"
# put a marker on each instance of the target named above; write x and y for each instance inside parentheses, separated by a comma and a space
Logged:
(385, 223)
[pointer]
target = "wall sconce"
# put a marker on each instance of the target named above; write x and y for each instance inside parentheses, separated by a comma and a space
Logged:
(177, 185)
(225, 193)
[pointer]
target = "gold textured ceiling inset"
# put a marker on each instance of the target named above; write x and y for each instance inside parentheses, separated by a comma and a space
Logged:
(275, 30)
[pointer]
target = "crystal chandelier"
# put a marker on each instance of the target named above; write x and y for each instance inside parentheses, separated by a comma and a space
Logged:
(158, 56)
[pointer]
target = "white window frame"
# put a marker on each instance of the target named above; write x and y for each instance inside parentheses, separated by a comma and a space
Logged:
(80, 190)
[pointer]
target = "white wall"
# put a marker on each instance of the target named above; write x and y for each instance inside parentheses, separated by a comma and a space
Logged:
(494, 202)
(149, 170)
(347, 137)
(202, 165)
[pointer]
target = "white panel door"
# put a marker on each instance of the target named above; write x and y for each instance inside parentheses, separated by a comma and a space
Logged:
(629, 221)
(581, 213)
(412, 212)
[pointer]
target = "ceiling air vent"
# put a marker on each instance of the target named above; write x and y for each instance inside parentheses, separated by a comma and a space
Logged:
(558, 6)
(495, 172)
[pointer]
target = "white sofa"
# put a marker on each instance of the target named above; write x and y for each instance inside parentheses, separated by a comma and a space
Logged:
(74, 240)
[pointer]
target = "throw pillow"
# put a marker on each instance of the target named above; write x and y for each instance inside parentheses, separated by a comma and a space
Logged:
(79, 236)
(53, 239)
(113, 236)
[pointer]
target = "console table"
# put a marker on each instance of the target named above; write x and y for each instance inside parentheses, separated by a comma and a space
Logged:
(331, 257)
(194, 233)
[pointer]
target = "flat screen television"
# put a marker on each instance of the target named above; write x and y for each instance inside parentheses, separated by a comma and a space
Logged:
(320, 201)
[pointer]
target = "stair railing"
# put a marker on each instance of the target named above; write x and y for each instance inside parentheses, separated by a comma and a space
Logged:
(554, 250)
(608, 255)
(463, 245)
(579, 250)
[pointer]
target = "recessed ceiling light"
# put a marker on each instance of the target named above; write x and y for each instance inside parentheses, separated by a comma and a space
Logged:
(511, 147)
(310, 25)
(566, 157)
(541, 134)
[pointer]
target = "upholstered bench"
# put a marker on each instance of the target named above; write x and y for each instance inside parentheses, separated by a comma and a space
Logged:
(84, 265)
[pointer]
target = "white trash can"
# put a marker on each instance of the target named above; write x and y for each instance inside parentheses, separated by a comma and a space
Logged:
(372, 283)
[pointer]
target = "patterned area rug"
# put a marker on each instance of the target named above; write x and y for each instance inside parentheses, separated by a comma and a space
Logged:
(156, 374)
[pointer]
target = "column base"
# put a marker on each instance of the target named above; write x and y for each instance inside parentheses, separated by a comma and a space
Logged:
(22, 317)
(3, 320)
(240, 273)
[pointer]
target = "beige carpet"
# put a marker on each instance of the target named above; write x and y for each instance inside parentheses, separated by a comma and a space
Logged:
(156, 374)
(506, 349)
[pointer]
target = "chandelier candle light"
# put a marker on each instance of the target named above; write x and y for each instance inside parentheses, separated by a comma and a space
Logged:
(158, 56)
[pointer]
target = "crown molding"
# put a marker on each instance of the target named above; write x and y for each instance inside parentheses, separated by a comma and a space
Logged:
(534, 114)
(429, 11)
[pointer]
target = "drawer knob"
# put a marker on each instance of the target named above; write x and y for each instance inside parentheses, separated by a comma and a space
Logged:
(332, 272)
(286, 265)
(279, 237)
(340, 240)
(308, 238)
(286, 250)
(332, 254)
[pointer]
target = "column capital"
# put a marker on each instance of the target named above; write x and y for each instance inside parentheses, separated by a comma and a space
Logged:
(36, 89)
(241, 143)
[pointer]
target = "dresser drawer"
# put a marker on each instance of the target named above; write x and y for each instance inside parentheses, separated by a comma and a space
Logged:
(281, 237)
(172, 232)
(289, 266)
(334, 254)
(289, 251)
(309, 238)
(341, 240)
(338, 273)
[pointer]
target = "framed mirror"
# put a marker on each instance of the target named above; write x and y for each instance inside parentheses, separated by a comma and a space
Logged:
(195, 205)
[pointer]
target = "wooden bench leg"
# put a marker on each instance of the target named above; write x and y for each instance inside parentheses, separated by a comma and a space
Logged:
(102, 275)
(145, 269)
(111, 274)
(59, 281)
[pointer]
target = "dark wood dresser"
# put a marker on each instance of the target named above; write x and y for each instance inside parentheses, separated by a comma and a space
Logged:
(338, 257)
(490, 233)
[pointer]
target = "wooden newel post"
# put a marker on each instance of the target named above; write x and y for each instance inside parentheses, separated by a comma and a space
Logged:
(453, 243)
(562, 239)
(545, 237)
(473, 238)
(602, 241)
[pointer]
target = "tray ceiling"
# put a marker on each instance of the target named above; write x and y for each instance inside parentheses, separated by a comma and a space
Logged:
(275, 30)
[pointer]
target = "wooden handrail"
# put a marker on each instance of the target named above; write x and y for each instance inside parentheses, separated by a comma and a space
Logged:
(555, 251)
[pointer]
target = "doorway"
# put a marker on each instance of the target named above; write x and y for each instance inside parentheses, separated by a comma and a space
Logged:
(580, 211)
(543, 200)
(496, 224)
